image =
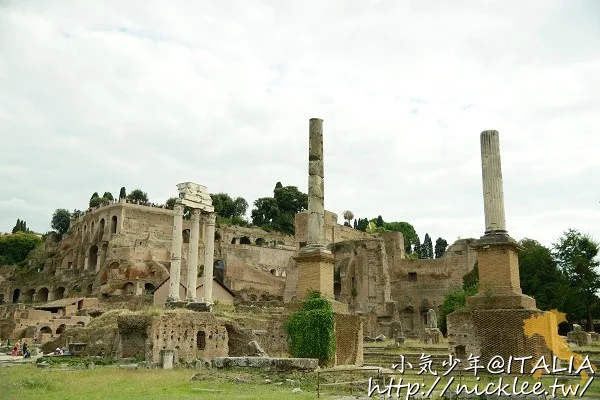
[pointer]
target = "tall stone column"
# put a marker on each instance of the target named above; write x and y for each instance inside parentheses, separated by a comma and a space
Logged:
(209, 253)
(175, 272)
(493, 194)
(316, 188)
(193, 256)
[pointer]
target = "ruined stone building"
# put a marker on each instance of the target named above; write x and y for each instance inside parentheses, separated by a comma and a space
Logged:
(121, 251)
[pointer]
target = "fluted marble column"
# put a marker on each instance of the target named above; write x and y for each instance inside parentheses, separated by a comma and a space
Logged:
(193, 256)
(175, 272)
(209, 253)
(493, 194)
(316, 187)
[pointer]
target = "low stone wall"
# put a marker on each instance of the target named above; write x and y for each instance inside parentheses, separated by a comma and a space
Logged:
(267, 363)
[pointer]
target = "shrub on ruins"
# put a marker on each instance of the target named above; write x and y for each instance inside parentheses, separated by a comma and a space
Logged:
(138, 195)
(311, 330)
(15, 247)
(108, 196)
(122, 193)
(98, 201)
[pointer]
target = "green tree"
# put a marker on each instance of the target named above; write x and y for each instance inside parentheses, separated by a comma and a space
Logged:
(362, 224)
(61, 219)
(356, 224)
(20, 226)
(108, 196)
(379, 221)
(227, 207)
(138, 195)
(471, 278)
(427, 247)
(417, 247)
(93, 198)
(541, 277)
(97, 201)
(265, 211)
(348, 217)
(408, 232)
(76, 213)
(15, 247)
(122, 193)
(440, 247)
(576, 255)
(453, 301)
(290, 200)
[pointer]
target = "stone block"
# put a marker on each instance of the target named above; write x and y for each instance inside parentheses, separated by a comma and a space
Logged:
(483, 301)
(166, 359)
(273, 364)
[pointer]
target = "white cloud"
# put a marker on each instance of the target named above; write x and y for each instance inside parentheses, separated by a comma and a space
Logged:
(147, 94)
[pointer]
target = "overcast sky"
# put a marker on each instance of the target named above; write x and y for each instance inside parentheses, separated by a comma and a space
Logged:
(95, 95)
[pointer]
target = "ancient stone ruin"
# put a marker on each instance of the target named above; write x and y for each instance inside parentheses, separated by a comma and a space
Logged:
(494, 322)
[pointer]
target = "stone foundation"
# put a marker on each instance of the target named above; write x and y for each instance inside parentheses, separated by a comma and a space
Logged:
(315, 273)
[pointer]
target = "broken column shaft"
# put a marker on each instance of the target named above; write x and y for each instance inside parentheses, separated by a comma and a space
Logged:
(193, 255)
(175, 271)
(493, 194)
(316, 187)
(209, 253)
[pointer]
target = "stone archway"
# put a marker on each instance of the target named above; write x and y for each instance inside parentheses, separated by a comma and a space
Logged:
(16, 295)
(42, 295)
(93, 256)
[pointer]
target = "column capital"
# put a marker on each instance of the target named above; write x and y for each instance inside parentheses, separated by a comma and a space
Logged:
(195, 214)
(210, 219)
(178, 208)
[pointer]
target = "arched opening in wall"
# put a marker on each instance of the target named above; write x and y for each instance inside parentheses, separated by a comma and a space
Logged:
(89, 289)
(245, 240)
(42, 295)
(60, 329)
(149, 288)
(16, 295)
(46, 329)
(75, 290)
(217, 236)
(128, 289)
(219, 270)
(186, 235)
(460, 351)
(93, 256)
(28, 297)
(273, 272)
(113, 224)
(201, 340)
(59, 293)
(92, 229)
(84, 229)
(234, 241)
(259, 242)
(101, 228)
(337, 290)
(81, 323)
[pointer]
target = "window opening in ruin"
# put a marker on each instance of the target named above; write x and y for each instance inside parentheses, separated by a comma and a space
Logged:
(412, 276)
(260, 242)
(1, 297)
(273, 272)
(233, 240)
(59, 293)
(60, 329)
(186, 235)
(113, 224)
(128, 289)
(148, 287)
(70, 265)
(337, 289)
(43, 294)
(219, 270)
(217, 236)
(29, 296)
(102, 223)
(201, 340)
(245, 240)
(461, 352)
(46, 329)
(93, 256)
(16, 295)
(80, 304)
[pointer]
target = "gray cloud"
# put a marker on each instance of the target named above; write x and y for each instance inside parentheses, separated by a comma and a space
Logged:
(147, 94)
